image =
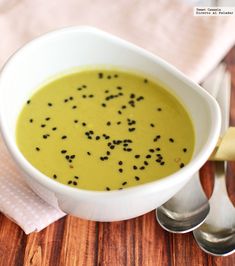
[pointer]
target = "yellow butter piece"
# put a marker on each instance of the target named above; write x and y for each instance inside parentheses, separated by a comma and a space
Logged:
(225, 148)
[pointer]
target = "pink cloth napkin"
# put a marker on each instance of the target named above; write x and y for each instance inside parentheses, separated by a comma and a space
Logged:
(167, 28)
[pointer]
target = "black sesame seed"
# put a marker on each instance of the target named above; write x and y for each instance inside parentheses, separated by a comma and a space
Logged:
(132, 96)
(158, 160)
(158, 149)
(112, 147)
(100, 75)
(101, 158)
(157, 138)
(119, 87)
(120, 162)
(137, 156)
(45, 136)
(70, 182)
(103, 104)
(108, 123)
(135, 167)
(171, 140)
(88, 153)
(43, 125)
(75, 183)
(71, 98)
(151, 150)
(72, 156)
(47, 118)
(106, 91)
(54, 128)
(146, 163)
(119, 112)
(37, 149)
(109, 77)
(83, 96)
(67, 157)
(55, 176)
(120, 93)
(84, 124)
(75, 121)
(97, 137)
(76, 177)
(63, 151)
(70, 161)
(119, 122)
(142, 168)
(184, 150)
(65, 100)
(152, 125)
(91, 96)
(74, 107)
(181, 165)
(162, 163)
(64, 137)
(145, 81)
(31, 120)
(131, 129)
(120, 170)
(79, 89)
(140, 98)
(124, 107)
(29, 101)
(49, 104)
(124, 183)
(107, 188)
(159, 109)
(148, 156)
(137, 178)
(108, 152)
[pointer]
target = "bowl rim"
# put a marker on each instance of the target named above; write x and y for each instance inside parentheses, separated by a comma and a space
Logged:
(153, 186)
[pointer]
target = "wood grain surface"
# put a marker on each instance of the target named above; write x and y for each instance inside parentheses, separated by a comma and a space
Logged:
(140, 241)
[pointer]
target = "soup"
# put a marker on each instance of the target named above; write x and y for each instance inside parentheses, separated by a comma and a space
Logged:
(105, 129)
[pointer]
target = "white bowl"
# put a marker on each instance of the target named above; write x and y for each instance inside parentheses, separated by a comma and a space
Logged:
(63, 49)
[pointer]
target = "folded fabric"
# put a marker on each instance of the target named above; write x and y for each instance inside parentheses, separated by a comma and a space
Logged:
(167, 28)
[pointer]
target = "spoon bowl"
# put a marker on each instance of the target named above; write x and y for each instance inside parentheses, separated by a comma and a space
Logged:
(221, 242)
(186, 210)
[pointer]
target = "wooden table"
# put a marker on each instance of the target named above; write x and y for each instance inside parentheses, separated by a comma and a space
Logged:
(140, 241)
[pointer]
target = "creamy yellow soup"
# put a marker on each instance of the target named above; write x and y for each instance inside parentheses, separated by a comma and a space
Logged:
(105, 129)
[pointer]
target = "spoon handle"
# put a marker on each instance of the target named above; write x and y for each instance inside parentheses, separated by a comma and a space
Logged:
(223, 99)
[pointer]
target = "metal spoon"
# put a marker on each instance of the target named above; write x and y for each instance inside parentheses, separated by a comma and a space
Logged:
(189, 207)
(217, 235)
